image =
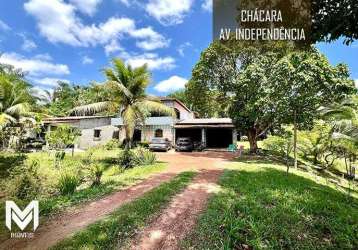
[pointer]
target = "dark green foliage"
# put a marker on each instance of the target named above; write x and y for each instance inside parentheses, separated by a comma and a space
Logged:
(8, 161)
(126, 159)
(68, 183)
(24, 182)
(269, 209)
(115, 230)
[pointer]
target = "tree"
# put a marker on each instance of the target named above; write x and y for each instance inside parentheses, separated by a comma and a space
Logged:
(127, 86)
(307, 81)
(15, 99)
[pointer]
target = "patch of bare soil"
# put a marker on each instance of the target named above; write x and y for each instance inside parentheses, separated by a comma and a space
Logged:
(69, 222)
(180, 217)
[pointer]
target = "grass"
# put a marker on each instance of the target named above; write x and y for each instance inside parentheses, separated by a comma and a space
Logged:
(115, 231)
(114, 178)
(261, 207)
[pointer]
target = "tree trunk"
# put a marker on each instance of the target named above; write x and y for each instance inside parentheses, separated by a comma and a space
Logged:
(251, 135)
(295, 138)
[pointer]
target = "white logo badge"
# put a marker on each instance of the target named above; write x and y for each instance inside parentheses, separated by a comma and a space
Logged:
(22, 218)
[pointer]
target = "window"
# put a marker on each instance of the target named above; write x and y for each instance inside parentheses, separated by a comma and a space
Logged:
(97, 134)
(158, 133)
(177, 113)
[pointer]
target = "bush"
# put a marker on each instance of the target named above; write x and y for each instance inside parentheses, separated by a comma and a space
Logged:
(96, 172)
(127, 159)
(59, 157)
(244, 138)
(68, 183)
(24, 181)
(112, 144)
(282, 146)
(144, 156)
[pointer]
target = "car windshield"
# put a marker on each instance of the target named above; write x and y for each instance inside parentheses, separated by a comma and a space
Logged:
(158, 140)
(184, 140)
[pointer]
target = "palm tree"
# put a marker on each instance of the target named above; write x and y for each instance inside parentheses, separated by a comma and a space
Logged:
(127, 87)
(15, 99)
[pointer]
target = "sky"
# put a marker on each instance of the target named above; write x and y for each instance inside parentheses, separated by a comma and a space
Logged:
(73, 40)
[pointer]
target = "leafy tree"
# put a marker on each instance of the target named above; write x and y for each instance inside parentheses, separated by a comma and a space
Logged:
(15, 98)
(127, 86)
(307, 81)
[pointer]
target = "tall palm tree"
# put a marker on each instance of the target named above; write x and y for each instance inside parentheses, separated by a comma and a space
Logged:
(127, 87)
(15, 99)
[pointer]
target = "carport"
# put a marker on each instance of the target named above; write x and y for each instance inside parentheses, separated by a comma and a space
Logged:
(213, 133)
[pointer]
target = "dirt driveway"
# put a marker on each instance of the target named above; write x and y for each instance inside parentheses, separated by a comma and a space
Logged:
(209, 165)
(207, 160)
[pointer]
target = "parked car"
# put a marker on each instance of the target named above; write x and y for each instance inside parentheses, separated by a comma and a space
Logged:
(160, 144)
(184, 144)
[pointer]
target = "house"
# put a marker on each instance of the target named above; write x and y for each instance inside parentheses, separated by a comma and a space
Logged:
(98, 130)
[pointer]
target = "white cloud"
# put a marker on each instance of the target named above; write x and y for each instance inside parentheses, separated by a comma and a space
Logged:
(45, 57)
(88, 7)
(182, 48)
(87, 60)
(28, 45)
(58, 22)
(34, 66)
(153, 40)
(4, 26)
(172, 84)
(169, 12)
(48, 81)
(356, 82)
(207, 5)
(112, 47)
(153, 61)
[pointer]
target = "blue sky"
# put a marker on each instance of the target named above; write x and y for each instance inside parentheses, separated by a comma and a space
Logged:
(73, 40)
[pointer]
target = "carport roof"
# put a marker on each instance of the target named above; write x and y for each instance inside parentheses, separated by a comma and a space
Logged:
(208, 123)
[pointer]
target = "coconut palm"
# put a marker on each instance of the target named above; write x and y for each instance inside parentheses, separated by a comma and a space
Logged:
(15, 99)
(127, 87)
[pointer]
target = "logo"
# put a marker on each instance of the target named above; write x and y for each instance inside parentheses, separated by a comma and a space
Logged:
(22, 218)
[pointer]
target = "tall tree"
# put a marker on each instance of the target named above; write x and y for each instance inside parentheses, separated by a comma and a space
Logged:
(127, 88)
(308, 81)
(15, 97)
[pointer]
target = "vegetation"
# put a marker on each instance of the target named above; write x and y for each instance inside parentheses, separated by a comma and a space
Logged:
(127, 87)
(83, 177)
(115, 231)
(274, 210)
(265, 86)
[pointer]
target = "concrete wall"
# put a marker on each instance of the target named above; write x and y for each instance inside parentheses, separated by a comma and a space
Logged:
(148, 132)
(87, 139)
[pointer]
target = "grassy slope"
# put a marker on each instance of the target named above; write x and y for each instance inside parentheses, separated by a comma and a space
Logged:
(113, 179)
(114, 231)
(261, 207)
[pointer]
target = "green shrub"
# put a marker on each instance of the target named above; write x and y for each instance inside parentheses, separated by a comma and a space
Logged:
(144, 144)
(127, 159)
(112, 144)
(24, 183)
(59, 157)
(244, 138)
(144, 156)
(68, 183)
(96, 172)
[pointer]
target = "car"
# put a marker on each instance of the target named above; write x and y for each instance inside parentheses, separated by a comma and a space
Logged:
(184, 144)
(160, 144)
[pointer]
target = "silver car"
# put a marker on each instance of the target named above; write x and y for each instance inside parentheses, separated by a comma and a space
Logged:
(160, 144)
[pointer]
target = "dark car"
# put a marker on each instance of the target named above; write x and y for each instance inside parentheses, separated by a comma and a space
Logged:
(184, 144)
(160, 144)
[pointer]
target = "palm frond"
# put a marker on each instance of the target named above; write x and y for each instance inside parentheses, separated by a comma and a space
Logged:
(18, 109)
(121, 88)
(6, 119)
(91, 109)
(155, 106)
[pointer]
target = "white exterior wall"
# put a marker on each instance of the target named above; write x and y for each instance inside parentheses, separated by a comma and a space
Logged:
(87, 139)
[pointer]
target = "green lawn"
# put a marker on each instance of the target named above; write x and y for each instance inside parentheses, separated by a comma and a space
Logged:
(117, 229)
(261, 207)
